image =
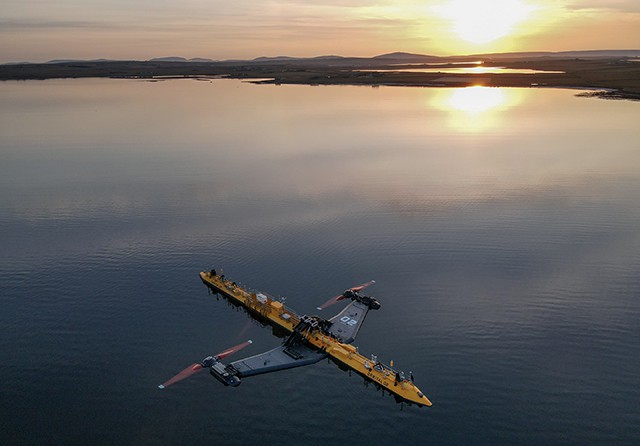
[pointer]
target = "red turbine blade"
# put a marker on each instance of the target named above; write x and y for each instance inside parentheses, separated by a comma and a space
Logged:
(232, 350)
(330, 302)
(192, 369)
(363, 286)
(334, 300)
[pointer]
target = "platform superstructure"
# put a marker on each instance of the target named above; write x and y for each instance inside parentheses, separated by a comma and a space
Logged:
(310, 339)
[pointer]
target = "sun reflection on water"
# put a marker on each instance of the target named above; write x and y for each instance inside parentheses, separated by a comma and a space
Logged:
(476, 99)
(477, 108)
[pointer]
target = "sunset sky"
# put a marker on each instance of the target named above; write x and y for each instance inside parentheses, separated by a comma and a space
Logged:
(41, 30)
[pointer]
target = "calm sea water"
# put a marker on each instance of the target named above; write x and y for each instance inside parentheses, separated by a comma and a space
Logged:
(502, 227)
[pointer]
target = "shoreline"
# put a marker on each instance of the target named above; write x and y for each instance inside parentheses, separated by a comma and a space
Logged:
(611, 78)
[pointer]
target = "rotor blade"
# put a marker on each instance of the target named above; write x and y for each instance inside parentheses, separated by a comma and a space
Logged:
(232, 350)
(363, 286)
(192, 369)
(334, 300)
(330, 302)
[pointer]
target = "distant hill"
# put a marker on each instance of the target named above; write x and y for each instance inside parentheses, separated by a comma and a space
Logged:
(405, 57)
(168, 59)
(601, 53)
(564, 54)
(17, 63)
(294, 59)
(201, 59)
(389, 58)
(331, 57)
(274, 58)
(79, 60)
(180, 59)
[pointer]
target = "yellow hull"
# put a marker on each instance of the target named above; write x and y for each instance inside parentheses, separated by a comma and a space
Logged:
(347, 354)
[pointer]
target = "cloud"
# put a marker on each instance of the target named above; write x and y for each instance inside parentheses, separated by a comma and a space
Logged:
(17, 24)
(243, 28)
(630, 6)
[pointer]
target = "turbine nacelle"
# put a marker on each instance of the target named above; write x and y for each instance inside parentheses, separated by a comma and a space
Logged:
(353, 293)
(222, 372)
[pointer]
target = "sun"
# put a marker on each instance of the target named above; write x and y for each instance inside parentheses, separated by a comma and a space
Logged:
(481, 22)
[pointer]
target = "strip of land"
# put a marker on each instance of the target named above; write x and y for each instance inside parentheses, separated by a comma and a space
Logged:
(615, 77)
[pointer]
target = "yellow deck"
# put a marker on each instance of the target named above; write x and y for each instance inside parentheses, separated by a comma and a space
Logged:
(347, 354)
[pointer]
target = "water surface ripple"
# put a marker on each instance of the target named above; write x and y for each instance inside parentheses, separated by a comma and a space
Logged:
(502, 232)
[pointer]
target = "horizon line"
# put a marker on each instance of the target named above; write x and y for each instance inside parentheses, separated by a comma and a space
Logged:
(207, 59)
